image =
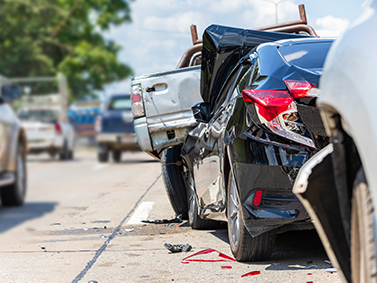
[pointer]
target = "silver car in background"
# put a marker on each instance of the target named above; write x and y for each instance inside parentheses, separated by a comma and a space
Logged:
(13, 148)
(338, 186)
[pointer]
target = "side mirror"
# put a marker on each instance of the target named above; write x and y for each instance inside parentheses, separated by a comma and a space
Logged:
(10, 92)
(202, 112)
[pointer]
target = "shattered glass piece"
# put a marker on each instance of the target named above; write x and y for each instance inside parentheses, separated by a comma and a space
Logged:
(220, 257)
(251, 273)
(127, 230)
(103, 236)
(178, 248)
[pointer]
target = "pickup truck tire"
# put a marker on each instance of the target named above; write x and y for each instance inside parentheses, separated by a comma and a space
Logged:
(117, 155)
(244, 247)
(14, 194)
(172, 175)
(196, 222)
(103, 153)
(363, 257)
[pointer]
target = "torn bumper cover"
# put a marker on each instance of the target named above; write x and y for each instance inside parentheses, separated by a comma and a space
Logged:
(315, 187)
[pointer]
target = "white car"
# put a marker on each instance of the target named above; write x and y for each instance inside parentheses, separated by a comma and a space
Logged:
(45, 132)
(338, 186)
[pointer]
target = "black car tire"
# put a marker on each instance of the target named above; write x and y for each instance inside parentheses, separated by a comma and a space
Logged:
(14, 194)
(243, 246)
(172, 169)
(103, 153)
(117, 155)
(196, 222)
(64, 154)
(71, 155)
(363, 257)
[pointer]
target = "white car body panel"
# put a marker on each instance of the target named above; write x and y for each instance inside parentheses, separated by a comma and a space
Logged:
(348, 84)
(167, 98)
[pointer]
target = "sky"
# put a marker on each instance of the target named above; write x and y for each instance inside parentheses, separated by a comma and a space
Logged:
(160, 30)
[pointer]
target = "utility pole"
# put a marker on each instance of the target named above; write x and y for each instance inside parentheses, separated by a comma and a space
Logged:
(276, 7)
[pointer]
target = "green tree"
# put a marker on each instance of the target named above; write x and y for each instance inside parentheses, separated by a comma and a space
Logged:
(44, 37)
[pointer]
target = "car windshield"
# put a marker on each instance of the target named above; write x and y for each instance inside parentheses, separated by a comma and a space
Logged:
(306, 55)
(120, 104)
(44, 115)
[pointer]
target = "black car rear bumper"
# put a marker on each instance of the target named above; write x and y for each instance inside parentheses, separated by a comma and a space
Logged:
(271, 169)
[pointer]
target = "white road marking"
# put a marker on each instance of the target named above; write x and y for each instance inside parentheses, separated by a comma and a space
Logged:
(141, 213)
(99, 166)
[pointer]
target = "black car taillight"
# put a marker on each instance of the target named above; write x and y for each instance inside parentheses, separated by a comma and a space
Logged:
(277, 110)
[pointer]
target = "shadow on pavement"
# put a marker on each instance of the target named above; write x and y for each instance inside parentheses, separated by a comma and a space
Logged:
(11, 217)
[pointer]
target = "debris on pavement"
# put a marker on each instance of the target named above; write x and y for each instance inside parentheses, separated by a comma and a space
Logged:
(177, 219)
(125, 231)
(57, 223)
(331, 269)
(103, 236)
(251, 273)
(226, 267)
(198, 257)
(178, 248)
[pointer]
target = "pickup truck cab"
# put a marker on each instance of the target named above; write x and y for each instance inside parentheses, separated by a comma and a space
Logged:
(12, 151)
(47, 132)
(115, 130)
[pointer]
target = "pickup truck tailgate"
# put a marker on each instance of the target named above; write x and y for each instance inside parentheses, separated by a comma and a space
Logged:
(167, 99)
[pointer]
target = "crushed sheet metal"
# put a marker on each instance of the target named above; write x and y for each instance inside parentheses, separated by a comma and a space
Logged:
(178, 248)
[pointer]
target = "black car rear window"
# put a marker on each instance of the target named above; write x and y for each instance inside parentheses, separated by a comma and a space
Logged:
(120, 104)
(306, 55)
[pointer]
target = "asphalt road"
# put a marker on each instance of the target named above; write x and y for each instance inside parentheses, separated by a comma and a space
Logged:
(74, 227)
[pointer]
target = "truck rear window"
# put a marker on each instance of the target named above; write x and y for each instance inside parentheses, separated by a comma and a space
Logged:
(306, 55)
(120, 104)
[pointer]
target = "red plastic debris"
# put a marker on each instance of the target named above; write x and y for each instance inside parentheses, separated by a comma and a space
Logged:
(226, 267)
(310, 273)
(222, 257)
(309, 282)
(251, 273)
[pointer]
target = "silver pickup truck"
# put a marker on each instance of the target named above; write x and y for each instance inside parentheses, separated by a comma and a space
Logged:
(161, 108)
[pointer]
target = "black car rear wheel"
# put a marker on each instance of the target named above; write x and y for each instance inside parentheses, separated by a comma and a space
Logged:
(363, 257)
(14, 194)
(196, 222)
(64, 154)
(117, 155)
(172, 169)
(243, 246)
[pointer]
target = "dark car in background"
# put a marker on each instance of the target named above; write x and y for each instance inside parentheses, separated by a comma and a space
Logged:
(257, 126)
(115, 129)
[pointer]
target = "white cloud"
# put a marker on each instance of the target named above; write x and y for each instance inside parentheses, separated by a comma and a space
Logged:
(329, 26)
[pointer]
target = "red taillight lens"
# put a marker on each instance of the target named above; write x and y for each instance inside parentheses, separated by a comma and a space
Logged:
(270, 103)
(257, 198)
(135, 97)
(58, 128)
(300, 89)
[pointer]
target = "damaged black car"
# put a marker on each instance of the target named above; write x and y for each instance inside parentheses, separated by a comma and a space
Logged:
(257, 125)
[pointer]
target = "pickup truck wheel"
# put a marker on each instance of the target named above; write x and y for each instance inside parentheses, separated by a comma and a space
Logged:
(117, 155)
(363, 257)
(174, 185)
(243, 246)
(194, 219)
(14, 194)
(64, 155)
(103, 153)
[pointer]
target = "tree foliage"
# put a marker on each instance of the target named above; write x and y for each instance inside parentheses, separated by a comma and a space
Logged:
(44, 37)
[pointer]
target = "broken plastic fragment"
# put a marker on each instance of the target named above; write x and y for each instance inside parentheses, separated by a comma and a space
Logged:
(226, 267)
(219, 258)
(251, 273)
(128, 230)
(331, 269)
(103, 236)
(177, 219)
(178, 248)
